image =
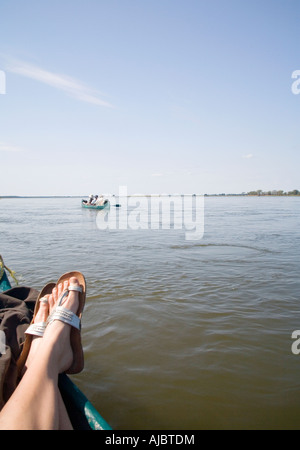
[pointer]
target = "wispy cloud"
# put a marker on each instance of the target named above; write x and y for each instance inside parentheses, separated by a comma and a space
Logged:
(69, 85)
(157, 174)
(4, 147)
(248, 156)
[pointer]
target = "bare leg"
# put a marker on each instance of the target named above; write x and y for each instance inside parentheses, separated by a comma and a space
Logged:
(37, 403)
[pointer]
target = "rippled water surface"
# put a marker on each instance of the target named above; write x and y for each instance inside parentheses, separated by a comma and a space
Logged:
(177, 333)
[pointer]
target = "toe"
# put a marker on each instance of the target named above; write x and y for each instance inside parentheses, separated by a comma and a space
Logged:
(51, 302)
(73, 280)
(43, 311)
(71, 301)
(59, 290)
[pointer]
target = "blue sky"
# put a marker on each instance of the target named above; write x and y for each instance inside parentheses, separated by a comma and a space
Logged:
(189, 96)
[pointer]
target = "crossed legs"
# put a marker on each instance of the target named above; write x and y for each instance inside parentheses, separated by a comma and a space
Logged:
(36, 404)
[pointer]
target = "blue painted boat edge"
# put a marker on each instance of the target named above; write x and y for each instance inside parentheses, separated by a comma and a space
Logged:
(97, 207)
(82, 404)
(4, 282)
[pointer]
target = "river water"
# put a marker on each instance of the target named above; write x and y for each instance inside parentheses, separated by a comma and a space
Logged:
(180, 331)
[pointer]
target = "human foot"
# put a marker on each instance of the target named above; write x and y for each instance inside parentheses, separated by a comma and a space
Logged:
(35, 330)
(39, 322)
(63, 330)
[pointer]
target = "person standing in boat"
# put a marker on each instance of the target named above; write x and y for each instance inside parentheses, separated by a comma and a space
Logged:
(91, 199)
(94, 201)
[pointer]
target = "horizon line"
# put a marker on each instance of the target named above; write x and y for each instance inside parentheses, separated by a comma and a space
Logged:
(257, 193)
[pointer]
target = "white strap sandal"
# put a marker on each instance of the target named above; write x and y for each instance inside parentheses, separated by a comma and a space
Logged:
(38, 329)
(64, 314)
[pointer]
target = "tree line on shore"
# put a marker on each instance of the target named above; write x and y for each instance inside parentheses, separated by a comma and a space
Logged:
(280, 192)
(260, 192)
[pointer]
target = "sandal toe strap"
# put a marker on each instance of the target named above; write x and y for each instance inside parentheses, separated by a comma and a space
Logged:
(75, 287)
(72, 287)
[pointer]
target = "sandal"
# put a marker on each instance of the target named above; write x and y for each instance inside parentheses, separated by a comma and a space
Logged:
(34, 329)
(65, 315)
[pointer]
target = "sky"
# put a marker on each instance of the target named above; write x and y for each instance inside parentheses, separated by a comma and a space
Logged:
(160, 96)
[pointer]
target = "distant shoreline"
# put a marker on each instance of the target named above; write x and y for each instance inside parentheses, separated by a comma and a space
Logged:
(258, 193)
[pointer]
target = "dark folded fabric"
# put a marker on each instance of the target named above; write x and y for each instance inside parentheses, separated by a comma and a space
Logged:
(16, 311)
